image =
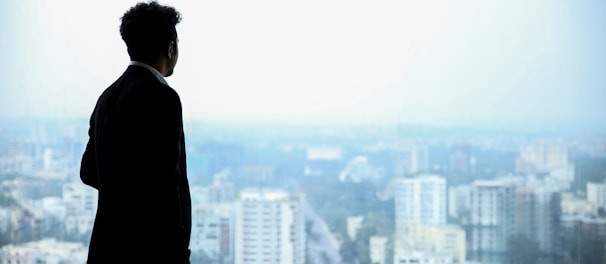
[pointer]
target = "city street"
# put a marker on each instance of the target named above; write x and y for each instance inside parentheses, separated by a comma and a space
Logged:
(322, 245)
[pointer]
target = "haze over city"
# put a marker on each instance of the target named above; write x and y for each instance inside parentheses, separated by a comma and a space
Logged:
(327, 132)
(474, 63)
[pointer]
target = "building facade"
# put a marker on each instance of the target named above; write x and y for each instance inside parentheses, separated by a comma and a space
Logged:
(377, 247)
(420, 199)
(596, 193)
(537, 216)
(269, 227)
(411, 160)
(213, 231)
(491, 218)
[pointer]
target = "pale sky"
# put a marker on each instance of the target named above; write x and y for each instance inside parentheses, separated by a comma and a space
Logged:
(472, 62)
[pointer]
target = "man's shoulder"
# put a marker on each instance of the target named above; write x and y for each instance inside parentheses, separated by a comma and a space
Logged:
(136, 74)
(145, 84)
(137, 84)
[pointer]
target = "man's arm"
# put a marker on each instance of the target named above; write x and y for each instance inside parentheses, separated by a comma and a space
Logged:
(161, 127)
(88, 165)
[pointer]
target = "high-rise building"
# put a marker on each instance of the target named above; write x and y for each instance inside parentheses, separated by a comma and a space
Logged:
(420, 199)
(270, 227)
(537, 216)
(596, 193)
(461, 160)
(491, 219)
(411, 160)
(542, 157)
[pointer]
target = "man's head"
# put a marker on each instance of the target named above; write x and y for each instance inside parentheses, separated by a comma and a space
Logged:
(148, 29)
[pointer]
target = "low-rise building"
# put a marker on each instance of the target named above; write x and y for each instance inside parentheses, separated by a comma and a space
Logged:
(447, 239)
(572, 205)
(213, 231)
(353, 225)
(48, 251)
(377, 249)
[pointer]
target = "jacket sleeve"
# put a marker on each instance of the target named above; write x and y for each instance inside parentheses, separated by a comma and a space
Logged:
(162, 148)
(88, 164)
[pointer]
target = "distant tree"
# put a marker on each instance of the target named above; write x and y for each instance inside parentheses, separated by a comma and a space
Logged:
(363, 252)
(588, 169)
(363, 241)
(8, 176)
(38, 189)
(6, 200)
(309, 231)
(325, 258)
(347, 250)
(381, 222)
(336, 218)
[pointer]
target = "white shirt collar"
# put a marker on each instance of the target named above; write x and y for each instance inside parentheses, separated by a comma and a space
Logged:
(152, 69)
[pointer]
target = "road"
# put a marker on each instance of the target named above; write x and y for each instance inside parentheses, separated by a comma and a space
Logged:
(322, 245)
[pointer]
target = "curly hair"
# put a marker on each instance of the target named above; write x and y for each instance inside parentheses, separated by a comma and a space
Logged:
(147, 29)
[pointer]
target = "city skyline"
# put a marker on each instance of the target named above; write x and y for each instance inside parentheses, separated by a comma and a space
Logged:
(500, 64)
(541, 194)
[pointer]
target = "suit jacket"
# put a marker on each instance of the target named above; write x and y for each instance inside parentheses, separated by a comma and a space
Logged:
(135, 158)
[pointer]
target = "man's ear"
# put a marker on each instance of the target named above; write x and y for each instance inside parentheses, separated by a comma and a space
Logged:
(171, 50)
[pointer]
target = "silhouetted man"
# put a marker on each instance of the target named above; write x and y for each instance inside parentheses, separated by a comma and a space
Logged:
(135, 156)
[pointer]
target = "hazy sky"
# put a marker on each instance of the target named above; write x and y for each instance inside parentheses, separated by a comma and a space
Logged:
(435, 62)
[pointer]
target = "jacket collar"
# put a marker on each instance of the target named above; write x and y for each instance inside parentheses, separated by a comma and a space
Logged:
(152, 69)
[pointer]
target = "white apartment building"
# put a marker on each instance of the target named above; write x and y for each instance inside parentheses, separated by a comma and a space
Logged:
(572, 205)
(359, 169)
(420, 199)
(377, 249)
(79, 198)
(213, 231)
(596, 193)
(354, 223)
(269, 227)
(81, 203)
(492, 216)
(544, 156)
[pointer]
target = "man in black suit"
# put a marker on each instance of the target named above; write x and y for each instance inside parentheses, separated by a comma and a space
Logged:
(135, 156)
